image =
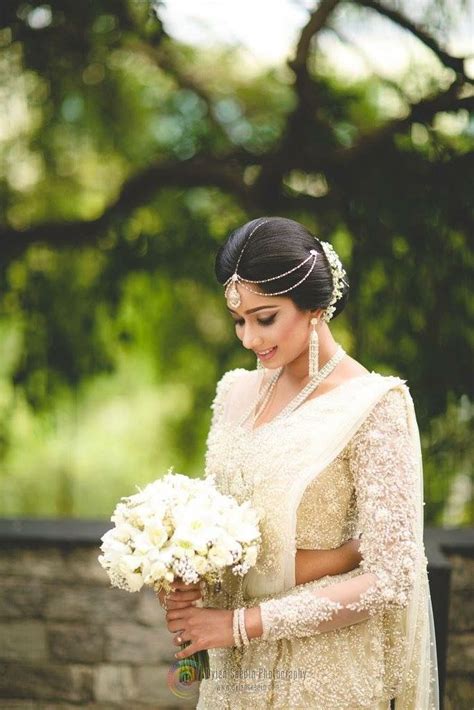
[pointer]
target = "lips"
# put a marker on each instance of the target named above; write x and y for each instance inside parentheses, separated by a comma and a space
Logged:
(266, 354)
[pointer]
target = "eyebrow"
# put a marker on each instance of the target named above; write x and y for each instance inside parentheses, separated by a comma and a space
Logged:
(253, 310)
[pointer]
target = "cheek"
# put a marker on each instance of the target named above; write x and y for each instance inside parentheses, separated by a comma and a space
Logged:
(290, 332)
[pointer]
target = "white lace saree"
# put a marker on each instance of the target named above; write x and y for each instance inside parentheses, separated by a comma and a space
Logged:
(344, 642)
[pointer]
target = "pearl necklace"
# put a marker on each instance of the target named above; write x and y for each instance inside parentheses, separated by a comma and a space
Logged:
(298, 399)
(266, 396)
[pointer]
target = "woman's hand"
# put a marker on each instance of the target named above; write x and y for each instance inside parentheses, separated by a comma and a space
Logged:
(205, 628)
(314, 564)
(184, 595)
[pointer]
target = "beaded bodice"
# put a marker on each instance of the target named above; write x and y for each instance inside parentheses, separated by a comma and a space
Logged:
(327, 514)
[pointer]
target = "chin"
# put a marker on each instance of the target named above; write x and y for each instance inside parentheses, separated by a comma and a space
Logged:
(272, 364)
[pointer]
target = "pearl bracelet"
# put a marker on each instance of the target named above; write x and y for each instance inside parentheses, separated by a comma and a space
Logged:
(242, 629)
(235, 629)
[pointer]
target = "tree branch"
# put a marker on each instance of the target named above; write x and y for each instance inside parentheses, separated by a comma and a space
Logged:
(422, 112)
(224, 173)
(304, 117)
(454, 63)
(316, 22)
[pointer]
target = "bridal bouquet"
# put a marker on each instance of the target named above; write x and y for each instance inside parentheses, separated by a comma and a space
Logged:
(179, 528)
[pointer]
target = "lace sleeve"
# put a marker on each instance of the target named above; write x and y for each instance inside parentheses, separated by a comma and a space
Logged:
(384, 470)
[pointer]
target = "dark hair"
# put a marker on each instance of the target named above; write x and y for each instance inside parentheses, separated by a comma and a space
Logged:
(277, 245)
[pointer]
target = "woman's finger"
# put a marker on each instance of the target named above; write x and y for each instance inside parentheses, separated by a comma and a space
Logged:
(180, 638)
(185, 596)
(188, 651)
(174, 614)
(179, 605)
(175, 626)
(186, 587)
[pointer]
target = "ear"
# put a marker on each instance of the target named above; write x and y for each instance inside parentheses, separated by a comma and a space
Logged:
(317, 313)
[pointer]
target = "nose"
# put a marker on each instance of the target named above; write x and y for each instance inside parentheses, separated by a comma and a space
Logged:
(250, 339)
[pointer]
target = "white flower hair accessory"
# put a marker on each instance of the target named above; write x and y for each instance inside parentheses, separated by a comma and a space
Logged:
(338, 273)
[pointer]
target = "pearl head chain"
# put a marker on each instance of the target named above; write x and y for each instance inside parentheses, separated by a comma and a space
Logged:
(233, 296)
(337, 271)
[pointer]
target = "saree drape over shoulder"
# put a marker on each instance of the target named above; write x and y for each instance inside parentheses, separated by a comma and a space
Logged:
(343, 464)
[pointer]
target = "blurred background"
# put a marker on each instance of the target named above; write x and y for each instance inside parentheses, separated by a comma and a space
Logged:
(134, 136)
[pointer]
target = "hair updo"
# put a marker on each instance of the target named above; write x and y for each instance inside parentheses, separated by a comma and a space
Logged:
(277, 245)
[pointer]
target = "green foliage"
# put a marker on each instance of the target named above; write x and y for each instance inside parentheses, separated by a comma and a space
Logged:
(132, 156)
(448, 453)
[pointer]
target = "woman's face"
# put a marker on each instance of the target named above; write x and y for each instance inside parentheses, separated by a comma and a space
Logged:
(272, 323)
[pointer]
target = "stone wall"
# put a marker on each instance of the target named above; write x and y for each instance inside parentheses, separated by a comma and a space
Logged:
(68, 640)
(460, 662)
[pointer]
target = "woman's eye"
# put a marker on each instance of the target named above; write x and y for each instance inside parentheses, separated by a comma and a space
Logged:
(267, 321)
(262, 321)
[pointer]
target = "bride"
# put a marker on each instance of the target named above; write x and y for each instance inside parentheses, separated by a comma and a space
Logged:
(336, 614)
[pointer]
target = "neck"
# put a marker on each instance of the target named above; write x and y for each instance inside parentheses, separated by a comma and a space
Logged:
(296, 371)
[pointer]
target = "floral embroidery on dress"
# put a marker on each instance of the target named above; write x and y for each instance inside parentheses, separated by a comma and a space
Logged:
(316, 627)
(383, 472)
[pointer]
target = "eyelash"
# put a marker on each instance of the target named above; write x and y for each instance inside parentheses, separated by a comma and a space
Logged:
(267, 321)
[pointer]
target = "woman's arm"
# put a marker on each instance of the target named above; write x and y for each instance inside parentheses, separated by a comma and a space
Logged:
(385, 470)
(311, 565)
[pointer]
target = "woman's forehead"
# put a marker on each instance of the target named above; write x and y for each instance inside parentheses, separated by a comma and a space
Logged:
(251, 300)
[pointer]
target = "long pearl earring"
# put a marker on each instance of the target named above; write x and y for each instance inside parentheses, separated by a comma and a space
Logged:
(313, 349)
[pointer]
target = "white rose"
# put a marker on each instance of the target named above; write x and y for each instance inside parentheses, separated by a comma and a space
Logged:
(127, 567)
(201, 565)
(142, 543)
(241, 523)
(193, 533)
(134, 581)
(157, 533)
(219, 556)
(157, 571)
(125, 532)
(250, 556)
